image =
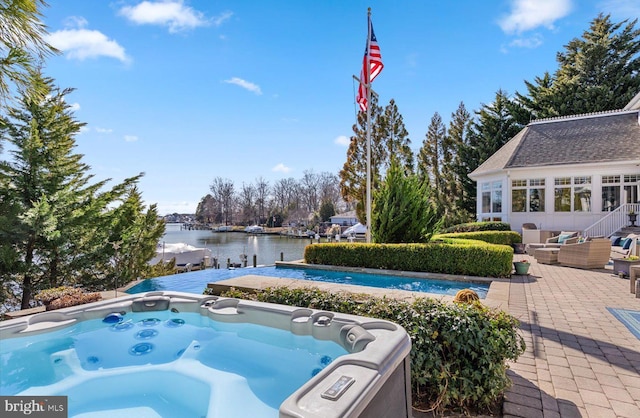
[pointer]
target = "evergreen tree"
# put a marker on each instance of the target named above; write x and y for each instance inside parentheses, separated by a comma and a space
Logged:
(494, 127)
(403, 212)
(455, 173)
(134, 235)
(430, 159)
(21, 43)
(596, 72)
(54, 223)
(353, 176)
(327, 210)
(395, 138)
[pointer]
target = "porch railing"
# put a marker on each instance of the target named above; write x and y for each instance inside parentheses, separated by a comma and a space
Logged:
(613, 221)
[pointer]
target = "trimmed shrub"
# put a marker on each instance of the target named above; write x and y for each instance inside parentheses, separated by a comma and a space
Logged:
(73, 300)
(448, 256)
(459, 352)
(492, 237)
(478, 226)
(47, 295)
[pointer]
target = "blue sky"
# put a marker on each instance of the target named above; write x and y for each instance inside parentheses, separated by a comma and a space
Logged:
(187, 91)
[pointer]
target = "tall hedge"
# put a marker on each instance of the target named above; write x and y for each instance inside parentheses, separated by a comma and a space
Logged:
(448, 256)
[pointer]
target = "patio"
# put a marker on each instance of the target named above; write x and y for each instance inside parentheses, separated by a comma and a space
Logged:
(581, 361)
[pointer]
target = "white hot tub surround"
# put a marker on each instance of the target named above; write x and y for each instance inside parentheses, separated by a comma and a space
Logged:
(371, 380)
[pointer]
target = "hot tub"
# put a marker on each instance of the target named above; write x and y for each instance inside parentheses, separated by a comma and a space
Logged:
(163, 354)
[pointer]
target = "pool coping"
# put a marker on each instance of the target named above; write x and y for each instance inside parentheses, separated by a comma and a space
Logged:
(497, 296)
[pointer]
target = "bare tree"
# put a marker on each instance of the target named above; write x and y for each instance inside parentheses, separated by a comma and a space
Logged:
(247, 203)
(224, 194)
(309, 185)
(262, 195)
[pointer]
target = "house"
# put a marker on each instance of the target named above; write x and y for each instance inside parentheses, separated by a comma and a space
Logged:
(579, 173)
(344, 219)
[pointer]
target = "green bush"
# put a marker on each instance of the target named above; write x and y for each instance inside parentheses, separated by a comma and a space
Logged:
(478, 226)
(492, 237)
(459, 352)
(448, 256)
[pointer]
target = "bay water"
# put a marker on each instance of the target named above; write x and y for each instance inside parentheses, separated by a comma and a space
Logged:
(231, 245)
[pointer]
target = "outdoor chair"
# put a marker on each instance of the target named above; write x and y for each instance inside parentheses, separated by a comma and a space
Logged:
(565, 237)
(590, 254)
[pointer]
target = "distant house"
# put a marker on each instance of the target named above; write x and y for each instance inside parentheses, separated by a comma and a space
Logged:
(344, 219)
(565, 173)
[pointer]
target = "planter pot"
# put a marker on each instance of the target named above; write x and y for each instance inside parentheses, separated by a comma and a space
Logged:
(518, 248)
(632, 219)
(621, 266)
(521, 268)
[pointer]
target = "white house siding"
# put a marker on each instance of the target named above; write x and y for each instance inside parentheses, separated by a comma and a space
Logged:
(549, 219)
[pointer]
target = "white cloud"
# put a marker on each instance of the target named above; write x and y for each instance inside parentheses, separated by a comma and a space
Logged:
(83, 129)
(130, 138)
(342, 140)
(171, 13)
(529, 14)
(245, 85)
(84, 43)
(223, 17)
(74, 107)
(104, 130)
(281, 168)
(530, 42)
(621, 9)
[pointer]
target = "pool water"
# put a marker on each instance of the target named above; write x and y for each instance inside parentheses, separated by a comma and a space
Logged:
(196, 282)
(242, 366)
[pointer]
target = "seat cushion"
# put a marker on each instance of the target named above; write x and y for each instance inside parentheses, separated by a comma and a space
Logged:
(565, 236)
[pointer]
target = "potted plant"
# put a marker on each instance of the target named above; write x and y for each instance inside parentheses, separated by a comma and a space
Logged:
(522, 266)
(632, 217)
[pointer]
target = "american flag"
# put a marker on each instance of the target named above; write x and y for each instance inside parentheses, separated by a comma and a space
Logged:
(372, 52)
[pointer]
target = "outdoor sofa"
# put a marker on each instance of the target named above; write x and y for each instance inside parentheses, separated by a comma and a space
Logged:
(591, 254)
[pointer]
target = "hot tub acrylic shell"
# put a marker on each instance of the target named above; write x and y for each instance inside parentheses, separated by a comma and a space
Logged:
(372, 380)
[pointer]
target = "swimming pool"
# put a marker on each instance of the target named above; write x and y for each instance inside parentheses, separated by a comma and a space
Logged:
(196, 282)
(172, 354)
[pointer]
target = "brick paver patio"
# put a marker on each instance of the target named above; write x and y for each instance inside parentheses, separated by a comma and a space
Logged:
(580, 360)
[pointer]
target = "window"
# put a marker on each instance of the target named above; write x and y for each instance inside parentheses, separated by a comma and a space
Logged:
(491, 197)
(572, 194)
(631, 187)
(610, 193)
(527, 195)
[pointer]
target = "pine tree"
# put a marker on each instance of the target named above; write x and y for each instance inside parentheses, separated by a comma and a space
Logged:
(395, 138)
(430, 159)
(353, 176)
(22, 44)
(596, 72)
(494, 127)
(455, 172)
(403, 211)
(56, 222)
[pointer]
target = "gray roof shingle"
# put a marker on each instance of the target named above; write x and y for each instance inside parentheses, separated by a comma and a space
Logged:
(604, 137)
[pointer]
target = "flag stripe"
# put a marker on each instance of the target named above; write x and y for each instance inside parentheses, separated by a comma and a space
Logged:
(372, 52)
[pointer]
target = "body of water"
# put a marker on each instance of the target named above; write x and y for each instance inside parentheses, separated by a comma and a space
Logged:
(230, 245)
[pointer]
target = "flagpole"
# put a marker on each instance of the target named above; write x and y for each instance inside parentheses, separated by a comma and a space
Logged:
(367, 80)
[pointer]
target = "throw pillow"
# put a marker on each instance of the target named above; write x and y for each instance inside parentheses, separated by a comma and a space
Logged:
(615, 241)
(627, 243)
(563, 237)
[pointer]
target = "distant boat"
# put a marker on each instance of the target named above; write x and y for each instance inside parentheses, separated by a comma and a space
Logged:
(254, 229)
(223, 228)
(355, 230)
(187, 256)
